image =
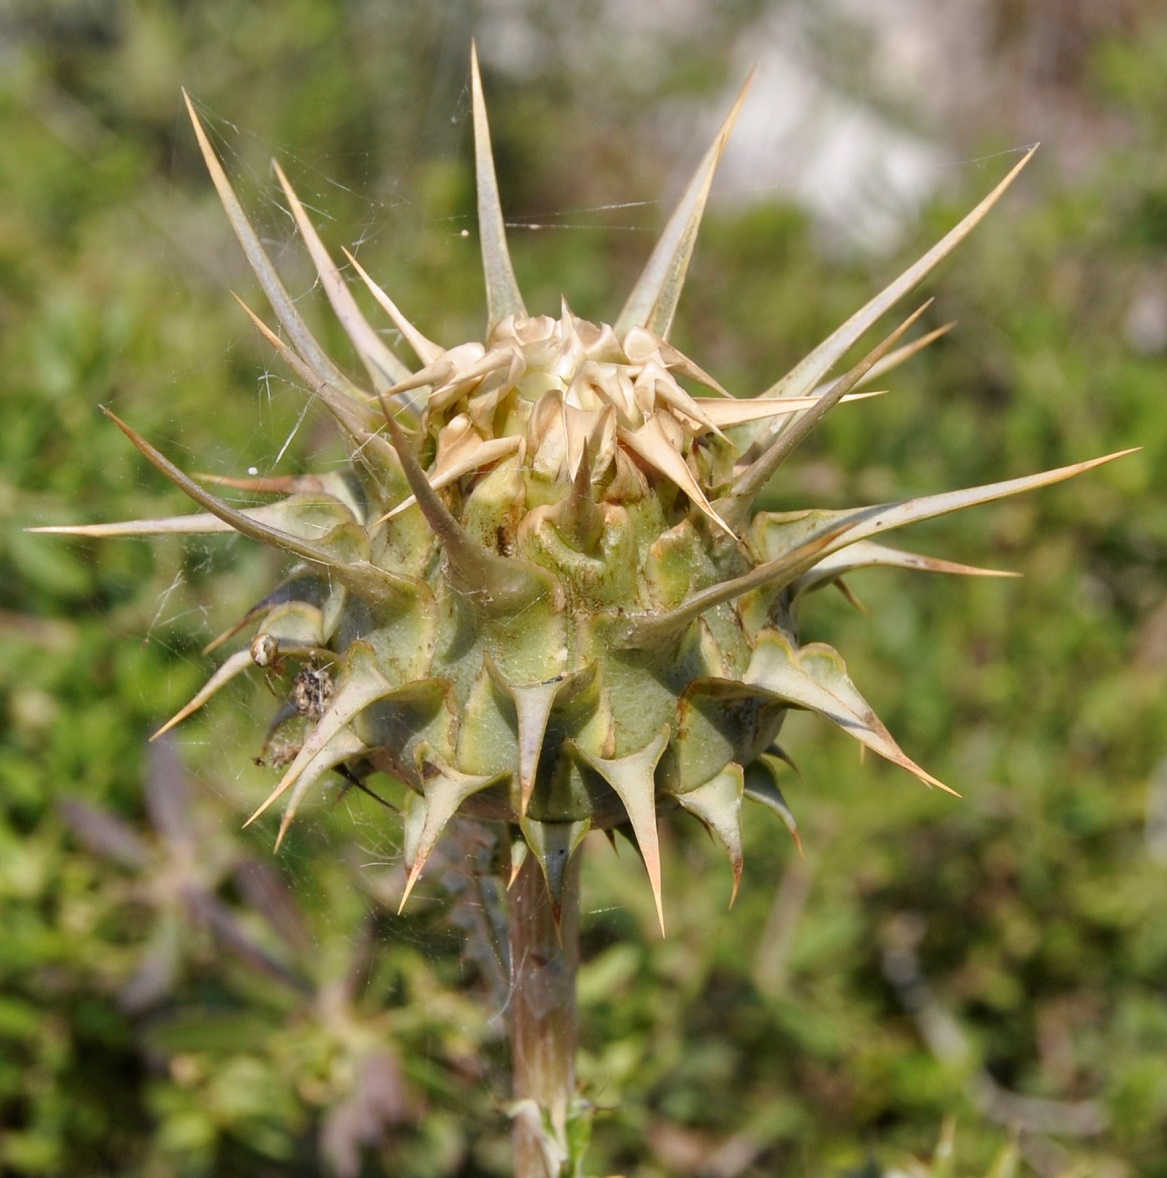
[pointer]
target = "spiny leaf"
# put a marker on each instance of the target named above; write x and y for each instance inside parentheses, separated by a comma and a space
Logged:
(301, 589)
(446, 788)
(632, 777)
(349, 415)
(533, 705)
(903, 354)
(519, 852)
(237, 663)
(553, 844)
(577, 517)
(197, 524)
(489, 580)
(205, 524)
(342, 746)
(646, 630)
(502, 290)
(472, 455)
(837, 530)
(737, 412)
(655, 447)
(341, 485)
(809, 371)
(866, 554)
(814, 677)
(427, 351)
(761, 786)
(383, 367)
(640, 345)
(361, 683)
(654, 298)
(743, 410)
(736, 505)
(366, 446)
(363, 577)
(718, 803)
(297, 627)
(897, 515)
(317, 359)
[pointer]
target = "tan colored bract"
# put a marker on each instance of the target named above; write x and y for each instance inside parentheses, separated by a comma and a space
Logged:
(538, 596)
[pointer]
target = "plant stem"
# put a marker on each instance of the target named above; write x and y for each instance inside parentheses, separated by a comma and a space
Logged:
(544, 964)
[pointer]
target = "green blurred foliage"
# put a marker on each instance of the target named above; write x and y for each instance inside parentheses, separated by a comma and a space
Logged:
(175, 1001)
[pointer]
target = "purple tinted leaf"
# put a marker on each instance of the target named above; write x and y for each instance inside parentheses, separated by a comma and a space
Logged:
(104, 834)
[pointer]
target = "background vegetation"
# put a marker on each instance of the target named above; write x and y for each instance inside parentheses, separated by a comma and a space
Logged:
(176, 1001)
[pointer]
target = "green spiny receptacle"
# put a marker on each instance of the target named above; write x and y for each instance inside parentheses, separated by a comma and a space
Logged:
(540, 594)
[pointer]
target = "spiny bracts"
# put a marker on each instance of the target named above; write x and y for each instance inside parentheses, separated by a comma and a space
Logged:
(540, 594)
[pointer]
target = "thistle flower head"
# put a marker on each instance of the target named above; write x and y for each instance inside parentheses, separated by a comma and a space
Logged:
(541, 594)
